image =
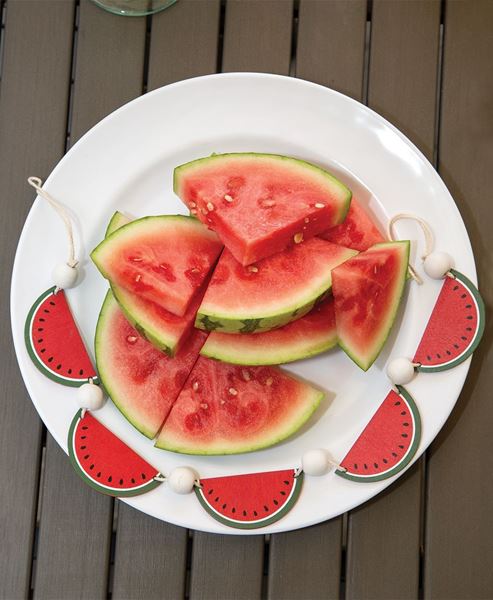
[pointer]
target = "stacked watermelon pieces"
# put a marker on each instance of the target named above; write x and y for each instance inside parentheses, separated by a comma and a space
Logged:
(276, 262)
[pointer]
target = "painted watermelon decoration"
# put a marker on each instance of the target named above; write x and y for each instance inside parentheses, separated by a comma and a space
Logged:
(250, 501)
(54, 342)
(388, 443)
(105, 462)
(227, 409)
(163, 259)
(259, 204)
(271, 293)
(455, 327)
(142, 381)
(367, 292)
(311, 335)
(357, 231)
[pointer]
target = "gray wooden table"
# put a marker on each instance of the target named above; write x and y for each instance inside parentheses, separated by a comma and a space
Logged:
(427, 67)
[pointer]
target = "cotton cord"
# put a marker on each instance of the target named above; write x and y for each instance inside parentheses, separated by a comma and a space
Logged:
(429, 242)
(36, 183)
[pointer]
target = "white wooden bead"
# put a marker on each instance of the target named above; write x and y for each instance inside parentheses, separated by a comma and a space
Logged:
(437, 264)
(90, 396)
(316, 462)
(64, 276)
(400, 371)
(182, 480)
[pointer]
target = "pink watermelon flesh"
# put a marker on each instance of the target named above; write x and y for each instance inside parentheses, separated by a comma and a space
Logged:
(142, 381)
(388, 442)
(252, 500)
(105, 462)
(312, 334)
(357, 231)
(271, 293)
(54, 342)
(259, 203)
(226, 409)
(455, 326)
(163, 259)
(367, 290)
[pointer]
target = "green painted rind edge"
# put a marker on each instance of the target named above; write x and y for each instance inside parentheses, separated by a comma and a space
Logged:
(298, 484)
(117, 220)
(345, 204)
(33, 355)
(283, 356)
(479, 332)
(318, 396)
(95, 486)
(356, 360)
(405, 395)
(107, 302)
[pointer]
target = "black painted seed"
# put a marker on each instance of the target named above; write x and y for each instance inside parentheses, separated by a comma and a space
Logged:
(404, 435)
(375, 465)
(110, 479)
(83, 447)
(50, 359)
(355, 466)
(86, 456)
(52, 303)
(43, 350)
(91, 467)
(468, 328)
(365, 466)
(428, 357)
(468, 305)
(275, 502)
(406, 424)
(463, 295)
(266, 508)
(394, 454)
(83, 437)
(143, 475)
(81, 372)
(385, 460)
(224, 506)
(216, 499)
(469, 317)
(438, 356)
(98, 474)
(70, 371)
(210, 492)
(42, 320)
(283, 493)
(463, 337)
(456, 287)
(40, 328)
(40, 341)
(449, 353)
(255, 513)
(286, 482)
(456, 346)
(401, 446)
(84, 427)
(244, 513)
(59, 367)
(403, 413)
(233, 510)
(132, 480)
(121, 482)
(46, 310)
(398, 403)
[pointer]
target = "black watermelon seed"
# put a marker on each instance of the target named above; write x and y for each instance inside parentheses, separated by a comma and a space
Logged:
(403, 413)
(468, 328)
(233, 510)
(143, 475)
(224, 506)
(210, 492)
(394, 454)
(275, 502)
(365, 466)
(42, 320)
(110, 479)
(84, 427)
(286, 482)
(216, 499)
(468, 305)
(98, 474)
(463, 295)
(244, 513)
(132, 480)
(81, 372)
(463, 337)
(40, 328)
(86, 456)
(282, 492)
(50, 359)
(46, 310)
(121, 481)
(404, 435)
(456, 346)
(438, 356)
(266, 508)
(456, 287)
(406, 424)
(43, 350)
(469, 317)
(91, 467)
(385, 460)
(40, 341)
(59, 367)
(52, 303)
(428, 357)
(375, 465)
(448, 352)
(355, 466)
(255, 513)
(83, 447)
(70, 371)
(401, 446)
(83, 437)
(398, 403)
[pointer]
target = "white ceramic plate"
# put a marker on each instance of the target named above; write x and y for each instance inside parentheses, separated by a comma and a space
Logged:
(126, 162)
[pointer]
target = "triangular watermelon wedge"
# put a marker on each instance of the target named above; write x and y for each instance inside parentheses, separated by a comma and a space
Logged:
(250, 501)
(367, 291)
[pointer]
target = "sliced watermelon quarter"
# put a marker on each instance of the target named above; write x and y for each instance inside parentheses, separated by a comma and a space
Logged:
(250, 501)
(259, 204)
(311, 335)
(357, 231)
(388, 443)
(367, 292)
(455, 327)
(105, 462)
(271, 293)
(164, 259)
(227, 409)
(54, 343)
(142, 381)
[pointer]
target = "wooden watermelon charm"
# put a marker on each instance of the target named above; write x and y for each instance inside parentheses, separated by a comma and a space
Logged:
(387, 444)
(54, 343)
(105, 462)
(455, 327)
(250, 501)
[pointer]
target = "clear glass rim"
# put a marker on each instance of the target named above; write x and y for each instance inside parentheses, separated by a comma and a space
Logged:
(133, 13)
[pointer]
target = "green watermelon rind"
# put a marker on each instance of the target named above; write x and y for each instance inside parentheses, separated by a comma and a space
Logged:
(317, 397)
(259, 523)
(106, 381)
(473, 290)
(108, 490)
(182, 169)
(117, 220)
(56, 377)
(283, 355)
(406, 459)
(397, 301)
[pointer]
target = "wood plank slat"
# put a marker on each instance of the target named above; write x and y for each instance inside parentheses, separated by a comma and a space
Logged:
(402, 87)
(459, 516)
(331, 44)
(257, 36)
(109, 72)
(184, 42)
(36, 49)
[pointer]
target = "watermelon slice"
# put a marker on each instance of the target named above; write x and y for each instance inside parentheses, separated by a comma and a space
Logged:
(367, 291)
(162, 328)
(259, 204)
(142, 381)
(388, 443)
(311, 335)
(226, 409)
(455, 327)
(54, 342)
(250, 501)
(272, 292)
(105, 462)
(357, 231)
(164, 259)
